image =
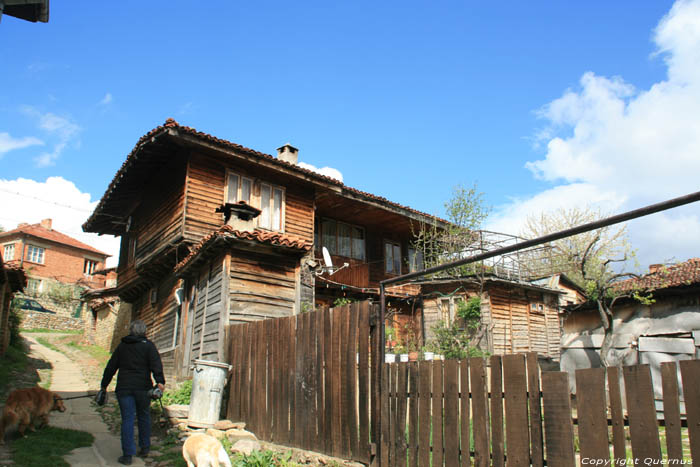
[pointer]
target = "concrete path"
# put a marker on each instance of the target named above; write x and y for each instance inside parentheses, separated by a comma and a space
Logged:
(67, 380)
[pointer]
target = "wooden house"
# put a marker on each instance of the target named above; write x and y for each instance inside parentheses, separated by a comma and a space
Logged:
(214, 233)
(516, 316)
(12, 281)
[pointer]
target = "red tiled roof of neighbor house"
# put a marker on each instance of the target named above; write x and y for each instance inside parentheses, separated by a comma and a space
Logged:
(172, 124)
(39, 231)
(258, 235)
(663, 277)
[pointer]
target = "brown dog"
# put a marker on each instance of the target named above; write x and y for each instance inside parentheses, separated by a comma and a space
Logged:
(25, 406)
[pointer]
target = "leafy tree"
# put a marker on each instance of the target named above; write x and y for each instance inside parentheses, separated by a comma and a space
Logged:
(588, 260)
(466, 211)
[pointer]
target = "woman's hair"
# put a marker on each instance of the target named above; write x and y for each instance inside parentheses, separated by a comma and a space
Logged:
(137, 328)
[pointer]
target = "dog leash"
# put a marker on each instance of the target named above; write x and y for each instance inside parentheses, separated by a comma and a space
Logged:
(77, 397)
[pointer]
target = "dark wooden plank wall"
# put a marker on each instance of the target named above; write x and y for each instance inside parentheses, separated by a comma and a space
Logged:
(294, 387)
(260, 287)
(207, 340)
(206, 182)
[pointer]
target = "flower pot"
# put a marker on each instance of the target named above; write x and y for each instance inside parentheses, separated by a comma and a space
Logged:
(404, 357)
(413, 356)
(389, 358)
(428, 355)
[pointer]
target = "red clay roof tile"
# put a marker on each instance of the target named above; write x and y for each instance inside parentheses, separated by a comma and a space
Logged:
(686, 273)
(38, 231)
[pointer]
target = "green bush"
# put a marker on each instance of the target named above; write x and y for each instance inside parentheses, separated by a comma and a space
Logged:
(452, 342)
(180, 395)
(263, 459)
(14, 319)
(470, 312)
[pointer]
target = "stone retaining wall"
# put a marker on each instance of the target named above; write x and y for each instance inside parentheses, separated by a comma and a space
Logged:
(38, 320)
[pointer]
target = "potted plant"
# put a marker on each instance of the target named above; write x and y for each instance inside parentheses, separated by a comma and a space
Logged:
(412, 344)
(390, 349)
(403, 353)
(427, 353)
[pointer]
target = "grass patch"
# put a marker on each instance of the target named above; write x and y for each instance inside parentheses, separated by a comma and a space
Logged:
(14, 361)
(45, 342)
(52, 331)
(170, 455)
(47, 447)
(95, 351)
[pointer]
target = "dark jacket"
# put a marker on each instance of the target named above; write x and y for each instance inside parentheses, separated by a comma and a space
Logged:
(135, 358)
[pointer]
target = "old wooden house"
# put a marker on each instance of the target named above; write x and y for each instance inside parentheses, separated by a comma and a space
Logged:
(214, 233)
(516, 316)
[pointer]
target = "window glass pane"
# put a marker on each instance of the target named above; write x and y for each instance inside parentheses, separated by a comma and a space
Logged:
(265, 206)
(397, 259)
(388, 257)
(232, 194)
(343, 239)
(329, 240)
(277, 210)
(9, 252)
(246, 186)
(358, 243)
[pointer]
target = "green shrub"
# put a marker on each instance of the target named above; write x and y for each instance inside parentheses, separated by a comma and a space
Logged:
(180, 395)
(470, 312)
(14, 319)
(452, 342)
(263, 459)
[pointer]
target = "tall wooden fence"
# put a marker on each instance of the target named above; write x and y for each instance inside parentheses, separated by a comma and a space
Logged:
(462, 413)
(308, 381)
(305, 380)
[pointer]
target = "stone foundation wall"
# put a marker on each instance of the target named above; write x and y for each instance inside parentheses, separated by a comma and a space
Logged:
(39, 320)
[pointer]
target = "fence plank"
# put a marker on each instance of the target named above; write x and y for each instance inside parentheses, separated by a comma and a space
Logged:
(363, 382)
(245, 377)
(592, 414)
(318, 367)
(644, 431)
(310, 381)
(497, 454)
(291, 368)
(464, 432)
(533, 397)
(618, 421)
(299, 409)
(250, 409)
(393, 412)
(413, 414)
(558, 429)
(451, 390)
(336, 432)
(480, 409)
(690, 373)
(438, 450)
(233, 408)
(672, 412)
(344, 398)
(268, 362)
(517, 426)
(376, 361)
(275, 380)
(401, 407)
(425, 371)
(261, 358)
(385, 438)
(327, 381)
(351, 389)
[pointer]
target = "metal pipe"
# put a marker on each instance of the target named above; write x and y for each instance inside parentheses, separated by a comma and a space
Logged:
(629, 215)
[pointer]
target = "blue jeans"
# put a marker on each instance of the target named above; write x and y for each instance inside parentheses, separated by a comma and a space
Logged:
(133, 404)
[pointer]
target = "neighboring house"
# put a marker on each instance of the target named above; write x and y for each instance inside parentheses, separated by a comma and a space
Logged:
(245, 230)
(667, 330)
(516, 316)
(103, 325)
(55, 264)
(28, 10)
(12, 281)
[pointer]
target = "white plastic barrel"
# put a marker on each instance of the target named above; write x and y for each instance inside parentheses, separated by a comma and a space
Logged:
(208, 383)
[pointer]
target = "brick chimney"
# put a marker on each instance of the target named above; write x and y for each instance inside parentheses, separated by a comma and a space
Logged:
(655, 268)
(288, 153)
(46, 223)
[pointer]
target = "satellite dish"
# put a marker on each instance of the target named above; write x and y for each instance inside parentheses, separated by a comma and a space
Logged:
(327, 258)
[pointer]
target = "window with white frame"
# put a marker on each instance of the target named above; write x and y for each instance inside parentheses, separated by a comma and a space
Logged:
(446, 310)
(415, 260)
(272, 207)
(89, 267)
(34, 286)
(238, 188)
(343, 239)
(392, 257)
(35, 254)
(8, 252)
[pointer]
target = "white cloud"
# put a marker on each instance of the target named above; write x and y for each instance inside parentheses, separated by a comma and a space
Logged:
(26, 200)
(61, 129)
(612, 146)
(106, 99)
(8, 143)
(327, 171)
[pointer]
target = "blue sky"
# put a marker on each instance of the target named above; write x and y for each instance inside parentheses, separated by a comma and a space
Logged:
(405, 99)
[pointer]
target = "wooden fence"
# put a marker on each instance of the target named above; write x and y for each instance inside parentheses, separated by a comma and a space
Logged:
(445, 413)
(305, 380)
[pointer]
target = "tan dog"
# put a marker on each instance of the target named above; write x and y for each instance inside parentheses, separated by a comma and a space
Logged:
(204, 451)
(25, 406)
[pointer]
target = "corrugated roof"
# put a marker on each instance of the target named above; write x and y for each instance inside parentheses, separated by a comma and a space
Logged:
(38, 231)
(172, 124)
(678, 275)
(258, 235)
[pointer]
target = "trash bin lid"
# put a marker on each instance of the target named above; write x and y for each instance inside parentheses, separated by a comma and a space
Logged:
(210, 363)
